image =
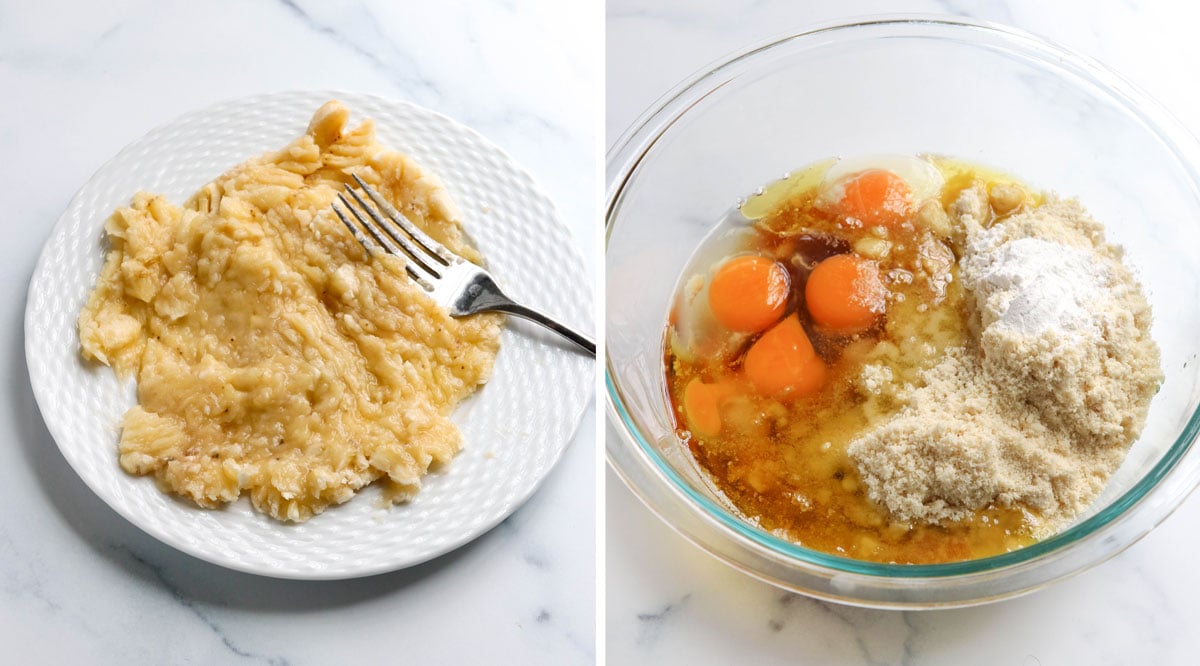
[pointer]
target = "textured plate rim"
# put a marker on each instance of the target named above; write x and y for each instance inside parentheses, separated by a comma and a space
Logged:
(55, 428)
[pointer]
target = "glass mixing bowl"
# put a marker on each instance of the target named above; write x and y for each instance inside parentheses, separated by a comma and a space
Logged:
(903, 85)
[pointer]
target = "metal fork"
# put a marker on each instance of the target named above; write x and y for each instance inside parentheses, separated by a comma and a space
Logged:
(454, 283)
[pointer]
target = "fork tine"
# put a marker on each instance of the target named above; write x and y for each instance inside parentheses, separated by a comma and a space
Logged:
(354, 231)
(421, 278)
(437, 249)
(424, 259)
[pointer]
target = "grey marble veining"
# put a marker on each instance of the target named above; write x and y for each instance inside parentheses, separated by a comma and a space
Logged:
(80, 584)
(670, 603)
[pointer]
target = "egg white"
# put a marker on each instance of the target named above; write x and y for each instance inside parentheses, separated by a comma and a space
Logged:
(923, 178)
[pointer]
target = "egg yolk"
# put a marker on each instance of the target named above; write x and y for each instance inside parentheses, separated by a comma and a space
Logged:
(877, 197)
(702, 405)
(748, 293)
(844, 293)
(783, 361)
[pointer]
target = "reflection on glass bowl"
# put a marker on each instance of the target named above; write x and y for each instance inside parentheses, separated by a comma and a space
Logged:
(903, 85)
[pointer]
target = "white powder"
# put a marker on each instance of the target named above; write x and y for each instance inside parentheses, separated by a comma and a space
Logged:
(1033, 286)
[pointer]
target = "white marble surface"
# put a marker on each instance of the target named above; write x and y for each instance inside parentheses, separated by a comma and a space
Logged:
(667, 602)
(78, 584)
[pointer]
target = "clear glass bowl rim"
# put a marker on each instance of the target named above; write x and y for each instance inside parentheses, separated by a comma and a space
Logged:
(623, 159)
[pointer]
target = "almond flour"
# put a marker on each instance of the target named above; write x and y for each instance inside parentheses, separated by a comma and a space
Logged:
(1039, 407)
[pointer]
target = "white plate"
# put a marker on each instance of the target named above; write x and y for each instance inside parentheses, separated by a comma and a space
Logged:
(514, 429)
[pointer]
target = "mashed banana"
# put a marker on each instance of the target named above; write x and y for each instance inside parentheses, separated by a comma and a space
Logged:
(271, 353)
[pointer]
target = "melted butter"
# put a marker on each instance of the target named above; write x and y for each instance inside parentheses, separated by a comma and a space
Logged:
(796, 184)
(784, 463)
(960, 174)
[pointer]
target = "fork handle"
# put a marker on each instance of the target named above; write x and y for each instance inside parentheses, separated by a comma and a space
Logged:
(516, 309)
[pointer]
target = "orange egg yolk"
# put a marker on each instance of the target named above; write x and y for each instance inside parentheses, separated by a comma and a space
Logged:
(877, 197)
(844, 293)
(702, 405)
(748, 293)
(783, 361)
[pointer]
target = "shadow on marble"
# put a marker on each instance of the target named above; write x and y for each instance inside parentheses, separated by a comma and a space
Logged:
(681, 604)
(143, 558)
(781, 625)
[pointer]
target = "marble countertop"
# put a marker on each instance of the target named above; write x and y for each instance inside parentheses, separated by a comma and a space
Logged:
(79, 584)
(667, 602)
